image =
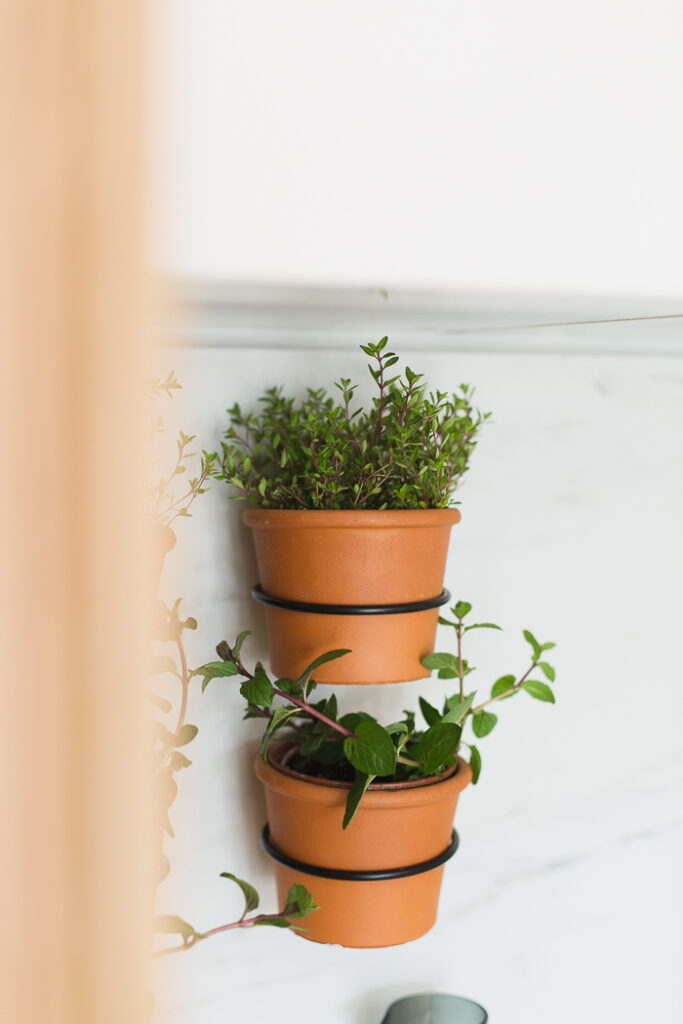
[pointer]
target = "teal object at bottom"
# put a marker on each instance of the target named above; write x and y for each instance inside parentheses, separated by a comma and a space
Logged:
(434, 1008)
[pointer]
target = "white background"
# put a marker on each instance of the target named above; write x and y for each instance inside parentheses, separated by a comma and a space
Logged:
(563, 901)
(421, 143)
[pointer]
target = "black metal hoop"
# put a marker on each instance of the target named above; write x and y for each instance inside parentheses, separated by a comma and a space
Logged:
(359, 876)
(349, 609)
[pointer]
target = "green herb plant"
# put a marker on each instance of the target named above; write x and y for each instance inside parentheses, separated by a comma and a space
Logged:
(409, 450)
(170, 736)
(354, 747)
(166, 505)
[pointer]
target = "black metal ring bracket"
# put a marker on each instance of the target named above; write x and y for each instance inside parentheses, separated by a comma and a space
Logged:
(350, 609)
(359, 876)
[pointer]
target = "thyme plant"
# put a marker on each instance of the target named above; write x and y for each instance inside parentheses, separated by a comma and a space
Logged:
(354, 747)
(409, 450)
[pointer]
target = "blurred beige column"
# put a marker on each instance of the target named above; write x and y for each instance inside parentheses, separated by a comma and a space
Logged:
(72, 308)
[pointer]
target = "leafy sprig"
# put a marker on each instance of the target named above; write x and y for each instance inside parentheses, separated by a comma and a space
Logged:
(299, 904)
(409, 450)
(354, 747)
(166, 506)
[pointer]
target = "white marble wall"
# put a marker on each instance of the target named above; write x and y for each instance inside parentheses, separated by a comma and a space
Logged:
(563, 903)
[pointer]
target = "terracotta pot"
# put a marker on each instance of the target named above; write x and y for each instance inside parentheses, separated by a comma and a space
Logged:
(163, 540)
(397, 826)
(351, 559)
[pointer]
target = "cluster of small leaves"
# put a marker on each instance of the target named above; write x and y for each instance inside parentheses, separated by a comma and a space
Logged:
(299, 904)
(354, 747)
(409, 450)
(166, 506)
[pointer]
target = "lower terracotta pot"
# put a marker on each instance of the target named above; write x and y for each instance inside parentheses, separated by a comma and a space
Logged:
(377, 883)
(368, 581)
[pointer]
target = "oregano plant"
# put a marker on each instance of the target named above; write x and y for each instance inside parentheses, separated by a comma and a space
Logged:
(407, 450)
(354, 747)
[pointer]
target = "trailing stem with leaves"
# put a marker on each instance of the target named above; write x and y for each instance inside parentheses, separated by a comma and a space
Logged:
(409, 450)
(166, 504)
(171, 733)
(167, 741)
(354, 747)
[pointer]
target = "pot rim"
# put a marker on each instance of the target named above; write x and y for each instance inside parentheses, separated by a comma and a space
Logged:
(312, 790)
(309, 518)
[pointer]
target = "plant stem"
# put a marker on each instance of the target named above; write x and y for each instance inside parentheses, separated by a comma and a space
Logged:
(299, 703)
(313, 712)
(244, 922)
(506, 693)
(461, 675)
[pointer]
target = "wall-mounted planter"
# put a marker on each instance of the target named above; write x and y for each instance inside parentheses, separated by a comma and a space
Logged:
(368, 581)
(377, 882)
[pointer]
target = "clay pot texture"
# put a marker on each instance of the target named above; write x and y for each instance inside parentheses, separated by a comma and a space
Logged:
(352, 558)
(396, 825)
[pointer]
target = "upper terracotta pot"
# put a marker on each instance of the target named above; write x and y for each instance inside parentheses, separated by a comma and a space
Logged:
(348, 558)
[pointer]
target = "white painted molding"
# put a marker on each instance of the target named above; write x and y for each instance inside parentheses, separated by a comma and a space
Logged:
(218, 315)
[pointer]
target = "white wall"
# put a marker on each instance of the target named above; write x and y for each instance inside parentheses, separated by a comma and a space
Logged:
(561, 904)
(425, 143)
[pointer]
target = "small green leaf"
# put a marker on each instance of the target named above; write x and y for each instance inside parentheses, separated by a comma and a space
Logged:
(436, 745)
(446, 622)
(185, 736)
(462, 609)
(321, 660)
(397, 728)
(224, 651)
(356, 793)
(299, 902)
(541, 691)
(441, 660)
(503, 684)
(279, 718)
(241, 637)
(215, 670)
(531, 639)
(547, 647)
(169, 924)
(160, 702)
(547, 670)
(475, 764)
(161, 663)
(274, 922)
(371, 749)
(258, 690)
(251, 897)
(483, 722)
(481, 625)
(178, 761)
(429, 713)
(457, 709)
